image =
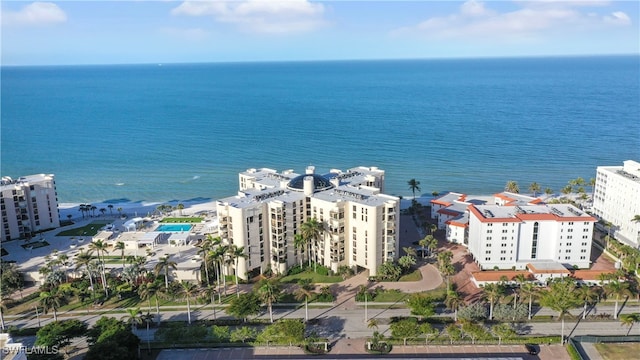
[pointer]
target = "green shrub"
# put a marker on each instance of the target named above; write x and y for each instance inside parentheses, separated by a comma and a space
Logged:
(573, 352)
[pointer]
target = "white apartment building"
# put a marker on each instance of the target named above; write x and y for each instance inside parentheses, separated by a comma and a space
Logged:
(360, 222)
(518, 235)
(451, 211)
(29, 204)
(616, 199)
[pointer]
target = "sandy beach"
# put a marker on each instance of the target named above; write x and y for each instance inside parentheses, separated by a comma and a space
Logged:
(136, 208)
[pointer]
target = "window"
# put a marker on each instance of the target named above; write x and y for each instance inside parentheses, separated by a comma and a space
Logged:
(534, 242)
(503, 251)
(488, 252)
(488, 244)
(567, 257)
(487, 259)
(584, 244)
(503, 245)
(582, 257)
(489, 231)
(503, 258)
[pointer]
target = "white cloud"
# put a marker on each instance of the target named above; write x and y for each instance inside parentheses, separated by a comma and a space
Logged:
(618, 18)
(37, 13)
(475, 21)
(260, 16)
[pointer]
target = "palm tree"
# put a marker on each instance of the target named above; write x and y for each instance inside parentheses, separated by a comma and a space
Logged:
(189, 290)
(52, 300)
(110, 206)
(164, 265)
(433, 228)
(120, 246)
(268, 291)
(548, 191)
(236, 253)
(93, 209)
(493, 292)
(432, 243)
(85, 259)
(617, 288)
(512, 187)
(119, 211)
(180, 207)
(312, 230)
(423, 242)
(373, 323)
(211, 292)
(414, 185)
(133, 318)
(636, 219)
(588, 295)
(304, 292)
(148, 318)
(299, 242)
(204, 250)
(528, 290)
(409, 251)
(3, 307)
(534, 188)
(147, 291)
(453, 301)
(629, 320)
(561, 296)
(82, 208)
(102, 211)
(100, 247)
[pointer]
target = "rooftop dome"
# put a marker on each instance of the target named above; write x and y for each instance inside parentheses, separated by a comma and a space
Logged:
(320, 183)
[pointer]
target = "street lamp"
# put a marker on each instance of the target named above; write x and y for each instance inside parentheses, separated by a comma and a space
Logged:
(38, 316)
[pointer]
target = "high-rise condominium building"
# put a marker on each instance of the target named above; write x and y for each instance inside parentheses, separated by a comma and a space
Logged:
(29, 204)
(506, 236)
(359, 223)
(616, 199)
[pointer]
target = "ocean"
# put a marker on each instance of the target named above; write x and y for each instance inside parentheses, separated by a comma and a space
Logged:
(163, 132)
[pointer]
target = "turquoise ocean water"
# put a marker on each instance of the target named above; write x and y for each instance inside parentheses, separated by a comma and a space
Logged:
(184, 131)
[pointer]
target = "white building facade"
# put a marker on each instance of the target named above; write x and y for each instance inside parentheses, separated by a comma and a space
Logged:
(28, 204)
(616, 199)
(360, 222)
(507, 237)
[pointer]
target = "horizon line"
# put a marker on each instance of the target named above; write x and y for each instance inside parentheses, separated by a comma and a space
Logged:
(487, 57)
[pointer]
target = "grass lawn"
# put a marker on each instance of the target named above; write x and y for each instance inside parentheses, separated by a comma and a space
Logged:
(617, 351)
(314, 277)
(416, 275)
(87, 230)
(391, 296)
(182, 220)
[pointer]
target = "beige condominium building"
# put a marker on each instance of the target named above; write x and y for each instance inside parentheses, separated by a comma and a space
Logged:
(29, 204)
(360, 223)
(616, 199)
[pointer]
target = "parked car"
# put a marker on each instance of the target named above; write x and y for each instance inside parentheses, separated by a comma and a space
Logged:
(532, 349)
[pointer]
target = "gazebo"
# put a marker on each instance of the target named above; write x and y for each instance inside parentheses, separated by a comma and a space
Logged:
(133, 224)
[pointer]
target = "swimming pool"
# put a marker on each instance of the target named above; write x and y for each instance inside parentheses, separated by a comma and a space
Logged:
(174, 227)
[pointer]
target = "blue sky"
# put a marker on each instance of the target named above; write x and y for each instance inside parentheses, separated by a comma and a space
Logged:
(117, 32)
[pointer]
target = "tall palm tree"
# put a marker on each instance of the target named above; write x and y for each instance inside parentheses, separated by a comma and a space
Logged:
(588, 295)
(312, 231)
(148, 318)
(636, 219)
(133, 318)
(618, 289)
(409, 251)
(210, 291)
(180, 207)
(148, 290)
(560, 296)
(304, 292)
(236, 253)
(82, 208)
(3, 307)
(120, 246)
(534, 188)
(529, 290)
(84, 259)
(299, 242)
(414, 185)
(204, 250)
(110, 206)
(493, 293)
(423, 242)
(52, 300)
(512, 187)
(100, 247)
(165, 265)
(453, 301)
(268, 291)
(189, 291)
(628, 320)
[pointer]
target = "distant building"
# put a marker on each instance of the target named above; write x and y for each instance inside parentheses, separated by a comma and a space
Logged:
(29, 204)
(616, 199)
(360, 222)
